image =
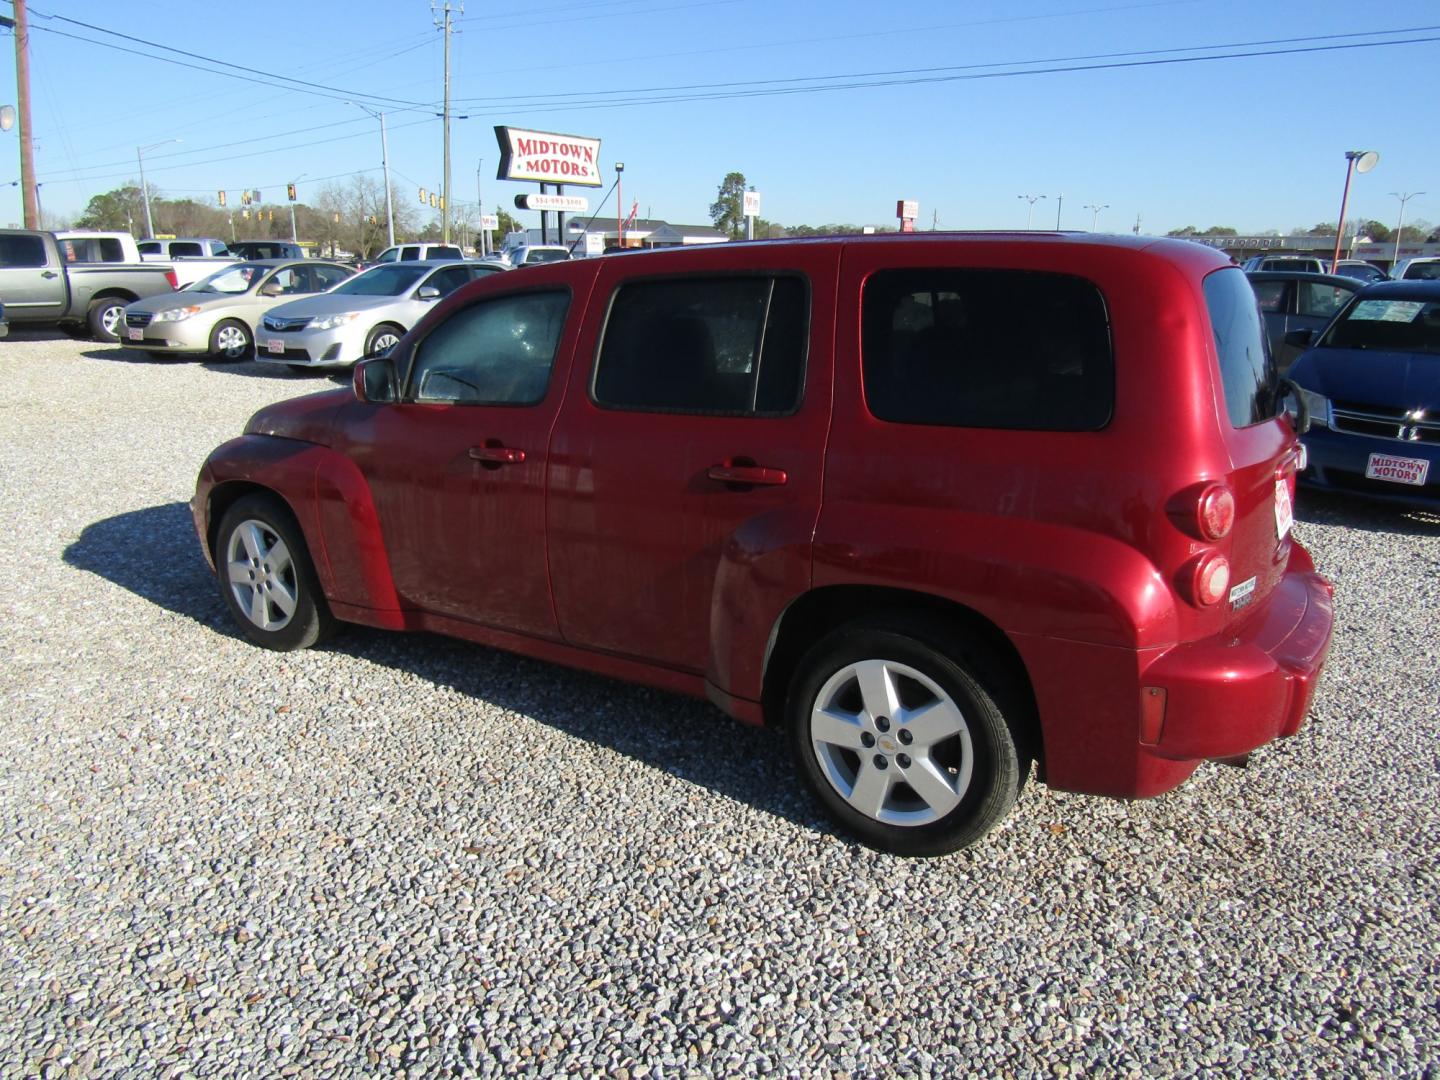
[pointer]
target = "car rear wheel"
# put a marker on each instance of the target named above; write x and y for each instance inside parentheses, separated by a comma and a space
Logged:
(896, 735)
(266, 577)
(230, 340)
(383, 338)
(106, 318)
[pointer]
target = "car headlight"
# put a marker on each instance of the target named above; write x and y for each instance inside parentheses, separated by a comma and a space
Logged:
(329, 322)
(1318, 406)
(177, 314)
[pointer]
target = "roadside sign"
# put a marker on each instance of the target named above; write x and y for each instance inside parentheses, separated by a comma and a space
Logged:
(752, 204)
(569, 203)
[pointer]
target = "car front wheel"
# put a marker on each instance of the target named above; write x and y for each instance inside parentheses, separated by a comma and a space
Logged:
(266, 577)
(230, 340)
(900, 740)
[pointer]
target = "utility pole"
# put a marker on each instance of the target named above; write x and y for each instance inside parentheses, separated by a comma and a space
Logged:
(480, 201)
(445, 189)
(1404, 197)
(29, 196)
(1059, 205)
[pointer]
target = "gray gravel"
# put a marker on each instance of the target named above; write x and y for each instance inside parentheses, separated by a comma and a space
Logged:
(411, 856)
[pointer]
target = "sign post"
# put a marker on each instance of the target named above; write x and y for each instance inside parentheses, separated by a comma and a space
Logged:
(907, 210)
(750, 207)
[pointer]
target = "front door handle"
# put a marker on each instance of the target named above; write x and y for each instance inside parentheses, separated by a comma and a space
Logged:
(747, 474)
(498, 455)
(49, 274)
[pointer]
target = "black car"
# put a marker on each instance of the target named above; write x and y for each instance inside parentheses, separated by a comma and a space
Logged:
(1361, 271)
(1296, 301)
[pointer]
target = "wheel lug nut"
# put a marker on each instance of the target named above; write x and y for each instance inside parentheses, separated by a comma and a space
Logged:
(881, 761)
(882, 723)
(903, 760)
(867, 740)
(905, 737)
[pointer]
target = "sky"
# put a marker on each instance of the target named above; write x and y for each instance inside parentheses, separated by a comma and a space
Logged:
(832, 110)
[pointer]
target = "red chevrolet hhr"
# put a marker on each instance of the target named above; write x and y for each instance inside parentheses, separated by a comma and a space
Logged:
(939, 505)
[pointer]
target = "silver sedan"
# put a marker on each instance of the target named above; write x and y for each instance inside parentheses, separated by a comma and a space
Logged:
(368, 314)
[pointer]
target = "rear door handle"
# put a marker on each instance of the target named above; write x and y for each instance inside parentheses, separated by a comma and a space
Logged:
(49, 274)
(498, 455)
(747, 474)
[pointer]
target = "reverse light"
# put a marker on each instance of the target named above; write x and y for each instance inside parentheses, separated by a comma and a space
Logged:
(329, 322)
(177, 314)
(1212, 579)
(1215, 512)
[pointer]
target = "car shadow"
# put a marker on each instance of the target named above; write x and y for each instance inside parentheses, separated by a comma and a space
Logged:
(26, 332)
(153, 554)
(121, 355)
(1367, 515)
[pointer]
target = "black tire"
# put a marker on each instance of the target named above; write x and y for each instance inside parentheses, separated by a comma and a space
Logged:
(231, 341)
(378, 332)
(105, 317)
(998, 761)
(249, 535)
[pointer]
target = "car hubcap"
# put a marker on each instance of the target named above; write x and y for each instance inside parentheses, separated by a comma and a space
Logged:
(891, 742)
(384, 341)
(110, 319)
(262, 575)
(231, 340)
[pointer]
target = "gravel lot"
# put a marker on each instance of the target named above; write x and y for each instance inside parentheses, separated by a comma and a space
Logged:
(407, 855)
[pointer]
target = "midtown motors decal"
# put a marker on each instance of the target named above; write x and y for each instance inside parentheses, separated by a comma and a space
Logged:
(548, 158)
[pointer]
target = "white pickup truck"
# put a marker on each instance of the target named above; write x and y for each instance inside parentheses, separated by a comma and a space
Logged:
(193, 257)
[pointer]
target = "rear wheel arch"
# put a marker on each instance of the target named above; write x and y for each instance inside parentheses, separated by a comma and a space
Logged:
(946, 625)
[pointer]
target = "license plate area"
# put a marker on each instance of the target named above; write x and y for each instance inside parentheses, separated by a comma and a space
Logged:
(275, 346)
(1397, 470)
(134, 334)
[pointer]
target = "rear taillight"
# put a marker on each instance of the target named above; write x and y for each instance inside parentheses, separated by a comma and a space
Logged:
(1215, 512)
(172, 279)
(1212, 579)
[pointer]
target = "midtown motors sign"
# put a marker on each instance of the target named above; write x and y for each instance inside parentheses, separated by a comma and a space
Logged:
(548, 158)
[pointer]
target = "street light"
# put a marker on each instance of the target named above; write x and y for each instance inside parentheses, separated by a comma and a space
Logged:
(1095, 213)
(385, 165)
(144, 190)
(290, 187)
(1355, 161)
(1399, 225)
(1030, 216)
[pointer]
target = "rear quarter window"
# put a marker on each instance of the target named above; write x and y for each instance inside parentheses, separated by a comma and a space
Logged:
(987, 349)
(1248, 377)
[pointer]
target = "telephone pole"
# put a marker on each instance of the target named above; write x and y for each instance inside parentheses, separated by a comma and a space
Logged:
(29, 196)
(444, 25)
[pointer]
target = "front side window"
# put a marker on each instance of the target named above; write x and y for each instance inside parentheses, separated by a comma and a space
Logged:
(987, 349)
(727, 345)
(21, 250)
(1248, 378)
(389, 255)
(1319, 300)
(495, 352)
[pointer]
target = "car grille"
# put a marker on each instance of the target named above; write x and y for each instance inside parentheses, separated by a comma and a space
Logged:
(138, 319)
(1384, 422)
(285, 326)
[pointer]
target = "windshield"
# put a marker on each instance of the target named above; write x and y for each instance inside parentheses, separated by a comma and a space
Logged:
(1398, 325)
(388, 280)
(232, 279)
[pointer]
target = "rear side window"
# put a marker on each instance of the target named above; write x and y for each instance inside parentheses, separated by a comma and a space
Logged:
(185, 250)
(1270, 295)
(150, 247)
(731, 346)
(1247, 372)
(495, 352)
(409, 254)
(987, 349)
(1320, 300)
(21, 251)
(439, 251)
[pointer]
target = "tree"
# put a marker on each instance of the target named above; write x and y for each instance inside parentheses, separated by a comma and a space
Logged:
(115, 210)
(1325, 228)
(1188, 230)
(1221, 230)
(1377, 231)
(728, 209)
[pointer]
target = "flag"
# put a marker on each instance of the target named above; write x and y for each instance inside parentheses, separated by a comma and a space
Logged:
(634, 209)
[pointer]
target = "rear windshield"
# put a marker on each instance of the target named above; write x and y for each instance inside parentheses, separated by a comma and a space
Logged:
(1247, 371)
(988, 349)
(392, 279)
(1397, 325)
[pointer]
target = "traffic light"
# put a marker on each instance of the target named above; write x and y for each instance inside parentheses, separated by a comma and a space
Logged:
(245, 214)
(290, 191)
(222, 198)
(244, 198)
(335, 217)
(422, 196)
(374, 220)
(433, 199)
(442, 202)
(256, 193)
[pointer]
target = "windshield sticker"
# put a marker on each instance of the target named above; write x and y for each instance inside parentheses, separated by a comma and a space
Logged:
(1387, 310)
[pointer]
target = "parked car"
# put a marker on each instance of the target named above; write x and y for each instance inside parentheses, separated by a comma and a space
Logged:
(183, 247)
(536, 254)
(4, 326)
(266, 249)
(1290, 264)
(85, 246)
(38, 285)
(1421, 268)
(218, 315)
(367, 314)
(1298, 301)
(1360, 270)
(417, 253)
(1371, 384)
(928, 502)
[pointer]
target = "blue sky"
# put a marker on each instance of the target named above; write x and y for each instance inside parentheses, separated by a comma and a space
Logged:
(1255, 143)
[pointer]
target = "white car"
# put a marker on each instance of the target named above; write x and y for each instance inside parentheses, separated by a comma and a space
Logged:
(367, 314)
(1421, 268)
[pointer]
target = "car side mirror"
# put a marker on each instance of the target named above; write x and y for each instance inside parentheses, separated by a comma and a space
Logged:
(270, 288)
(375, 382)
(427, 292)
(1301, 339)
(1292, 398)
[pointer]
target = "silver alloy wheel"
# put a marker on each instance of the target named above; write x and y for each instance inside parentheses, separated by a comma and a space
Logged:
(892, 742)
(232, 341)
(261, 575)
(112, 319)
(385, 340)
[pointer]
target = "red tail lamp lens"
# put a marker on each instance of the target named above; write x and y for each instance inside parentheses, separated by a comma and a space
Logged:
(1212, 579)
(1217, 512)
